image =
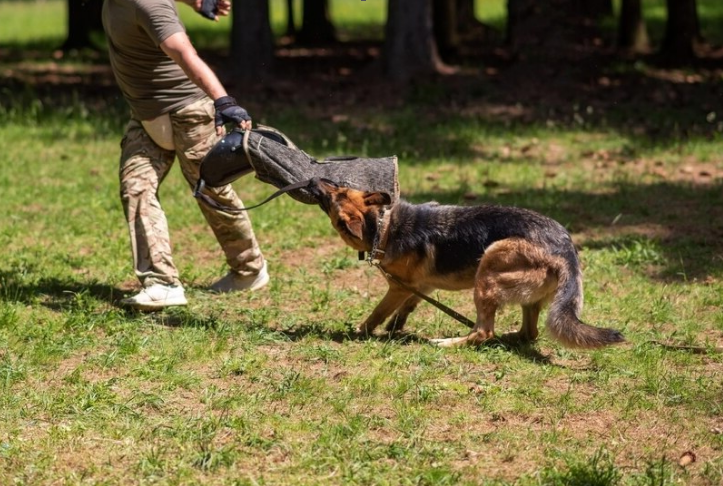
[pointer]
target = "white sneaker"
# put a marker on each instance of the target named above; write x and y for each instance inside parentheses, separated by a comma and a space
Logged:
(156, 297)
(233, 282)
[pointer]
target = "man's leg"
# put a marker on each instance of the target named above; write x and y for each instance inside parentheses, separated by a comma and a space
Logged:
(143, 166)
(194, 135)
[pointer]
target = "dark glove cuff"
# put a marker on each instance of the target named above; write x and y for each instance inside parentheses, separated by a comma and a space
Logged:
(224, 101)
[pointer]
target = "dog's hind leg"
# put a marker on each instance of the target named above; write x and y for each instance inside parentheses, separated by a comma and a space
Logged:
(530, 315)
(396, 323)
(394, 298)
(509, 272)
(528, 331)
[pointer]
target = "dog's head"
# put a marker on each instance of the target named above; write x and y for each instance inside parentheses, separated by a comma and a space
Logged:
(354, 214)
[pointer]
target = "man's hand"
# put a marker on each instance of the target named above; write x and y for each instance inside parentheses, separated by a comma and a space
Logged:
(228, 111)
(211, 9)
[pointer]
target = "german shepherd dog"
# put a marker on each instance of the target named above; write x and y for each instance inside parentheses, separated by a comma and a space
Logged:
(507, 255)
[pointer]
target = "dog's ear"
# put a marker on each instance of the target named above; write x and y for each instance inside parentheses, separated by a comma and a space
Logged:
(355, 227)
(377, 199)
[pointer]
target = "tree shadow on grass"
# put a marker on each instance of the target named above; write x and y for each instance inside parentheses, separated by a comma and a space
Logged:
(53, 292)
(650, 106)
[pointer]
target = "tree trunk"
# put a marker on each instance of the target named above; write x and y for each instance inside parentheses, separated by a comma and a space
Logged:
(84, 17)
(469, 27)
(467, 22)
(596, 8)
(549, 25)
(409, 47)
(466, 17)
(290, 22)
(252, 42)
(316, 27)
(444, 13)
(681, 31)
(632, 31)
(517, 13)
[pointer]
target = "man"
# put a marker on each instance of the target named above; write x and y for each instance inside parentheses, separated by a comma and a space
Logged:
(178, 109)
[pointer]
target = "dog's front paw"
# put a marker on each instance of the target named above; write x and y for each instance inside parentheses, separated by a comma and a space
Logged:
(363, 331)
(449, 342)
(475, 338)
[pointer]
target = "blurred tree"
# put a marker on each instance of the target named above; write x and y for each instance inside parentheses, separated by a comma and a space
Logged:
(466, 18)
(290, 19)
(84, 17)
(467, 23)
(596, 8)
(252, 41)
(550, 25)
(409, 46)
(316, 27)
(682, 31)
(445, 26)
(517, 12)
(632, 31)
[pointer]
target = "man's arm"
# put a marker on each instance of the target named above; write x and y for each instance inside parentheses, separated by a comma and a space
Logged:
(179, 48)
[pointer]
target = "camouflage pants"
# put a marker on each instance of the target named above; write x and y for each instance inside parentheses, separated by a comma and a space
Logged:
(144, 165)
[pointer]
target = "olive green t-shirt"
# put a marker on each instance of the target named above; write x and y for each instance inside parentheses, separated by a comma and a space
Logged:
(151, 82)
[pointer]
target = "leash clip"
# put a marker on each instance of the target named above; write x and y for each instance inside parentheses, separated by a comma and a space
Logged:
(373, 259)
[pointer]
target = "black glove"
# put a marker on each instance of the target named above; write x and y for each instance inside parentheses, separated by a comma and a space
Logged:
(227, 111)
(209, 9)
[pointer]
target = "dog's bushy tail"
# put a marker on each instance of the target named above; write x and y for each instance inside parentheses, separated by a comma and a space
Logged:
(563, 321)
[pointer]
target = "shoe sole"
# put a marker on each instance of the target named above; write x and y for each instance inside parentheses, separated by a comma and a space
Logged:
(255, 286)
(261, 283)
(152, 306)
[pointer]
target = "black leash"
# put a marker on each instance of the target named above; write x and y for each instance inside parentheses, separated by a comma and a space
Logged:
(447, 310)
(200, 185)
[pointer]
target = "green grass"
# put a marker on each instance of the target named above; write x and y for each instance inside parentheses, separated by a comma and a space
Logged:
(274, 388)
(271, 389)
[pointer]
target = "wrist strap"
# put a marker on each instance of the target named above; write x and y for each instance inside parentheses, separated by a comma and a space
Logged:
(224, 100)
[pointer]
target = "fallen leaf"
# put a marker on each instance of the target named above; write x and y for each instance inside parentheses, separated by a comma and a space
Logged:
(471, 455)
(339, 375)
(687, 458)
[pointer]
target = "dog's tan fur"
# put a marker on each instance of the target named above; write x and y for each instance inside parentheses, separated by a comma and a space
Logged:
(531, 262)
